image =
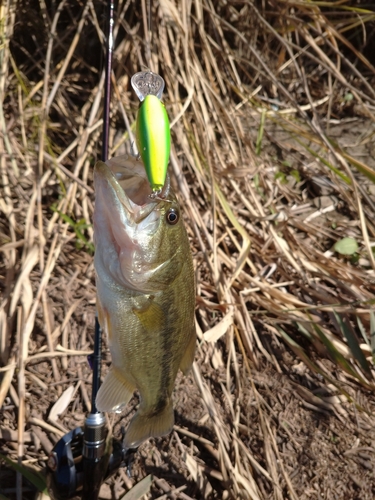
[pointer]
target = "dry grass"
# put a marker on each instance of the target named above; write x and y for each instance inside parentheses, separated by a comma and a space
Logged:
(272, 108)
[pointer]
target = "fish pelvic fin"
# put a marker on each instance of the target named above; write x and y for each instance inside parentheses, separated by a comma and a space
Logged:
(144, 426)
(188, 357)
(114, 392)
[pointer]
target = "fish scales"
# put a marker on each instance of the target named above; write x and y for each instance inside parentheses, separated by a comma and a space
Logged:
(145, 294)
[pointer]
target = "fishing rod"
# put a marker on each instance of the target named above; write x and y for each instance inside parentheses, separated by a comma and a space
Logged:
(84, 458)
(94, 455)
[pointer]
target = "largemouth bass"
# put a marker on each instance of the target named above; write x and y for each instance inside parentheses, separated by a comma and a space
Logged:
(145, 294)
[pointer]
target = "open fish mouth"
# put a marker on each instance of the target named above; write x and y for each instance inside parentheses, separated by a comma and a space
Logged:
(126, 179)
(128, 222)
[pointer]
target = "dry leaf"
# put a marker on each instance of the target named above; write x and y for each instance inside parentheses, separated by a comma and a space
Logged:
(214, 333)
(139, 490)
(61, 404)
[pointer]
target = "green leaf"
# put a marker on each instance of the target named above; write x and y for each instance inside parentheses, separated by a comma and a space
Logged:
(256, 181)
(337, 357)
(294, 173)
(258, 145)
(346, 246)
(351, 338)
(303, 330)
(33, 476)
(361, 167)
(363, 331)
(77, 227)
(139, 490)
(344, 177)
(281, 176)
(2, 497)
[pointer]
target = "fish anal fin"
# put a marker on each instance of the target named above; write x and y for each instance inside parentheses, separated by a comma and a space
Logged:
(144, 426)
(114, 392)
(151, 315)
(188, 357)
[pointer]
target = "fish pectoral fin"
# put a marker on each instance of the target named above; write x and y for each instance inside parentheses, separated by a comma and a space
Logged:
(188, 357)
(149, 425)
(150, 315)
(114, 392)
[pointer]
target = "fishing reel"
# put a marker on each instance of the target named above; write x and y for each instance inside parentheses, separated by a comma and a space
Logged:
(82, 459)
(85, 457)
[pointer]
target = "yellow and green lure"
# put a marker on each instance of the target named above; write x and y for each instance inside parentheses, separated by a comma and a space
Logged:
(153, 135)
(154, 140)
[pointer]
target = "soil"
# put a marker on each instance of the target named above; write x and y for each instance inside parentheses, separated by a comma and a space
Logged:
(325, 456)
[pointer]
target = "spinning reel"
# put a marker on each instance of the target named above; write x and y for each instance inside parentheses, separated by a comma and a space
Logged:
(83, 459)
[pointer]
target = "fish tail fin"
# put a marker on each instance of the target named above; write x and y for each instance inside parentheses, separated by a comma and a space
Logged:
(114, 392)
(144, 426)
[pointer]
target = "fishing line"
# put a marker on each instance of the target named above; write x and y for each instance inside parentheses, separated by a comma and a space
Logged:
(149, 27)
(146, 16)
(107, 85)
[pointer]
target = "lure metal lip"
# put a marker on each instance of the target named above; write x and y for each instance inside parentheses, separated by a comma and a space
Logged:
(147, 83)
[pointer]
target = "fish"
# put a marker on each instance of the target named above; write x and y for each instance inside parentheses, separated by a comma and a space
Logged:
(145, 294)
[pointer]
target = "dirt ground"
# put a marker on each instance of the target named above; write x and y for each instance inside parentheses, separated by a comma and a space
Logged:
(326, 455)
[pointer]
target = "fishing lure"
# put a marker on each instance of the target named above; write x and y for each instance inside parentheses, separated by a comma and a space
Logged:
(153, 135)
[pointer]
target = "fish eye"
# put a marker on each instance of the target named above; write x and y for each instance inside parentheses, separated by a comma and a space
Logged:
(172, 216)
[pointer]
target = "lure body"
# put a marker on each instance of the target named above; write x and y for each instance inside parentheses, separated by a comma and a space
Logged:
(154, 140)
(145, 294)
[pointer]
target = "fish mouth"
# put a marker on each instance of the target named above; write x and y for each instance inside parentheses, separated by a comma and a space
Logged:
(126, 219)
(126, 178)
